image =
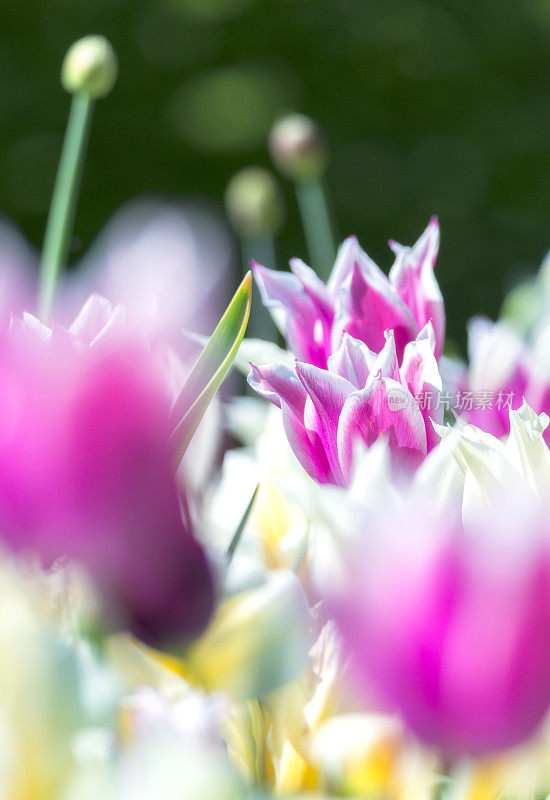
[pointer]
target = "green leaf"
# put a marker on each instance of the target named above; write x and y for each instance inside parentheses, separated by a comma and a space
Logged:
(241, 526)
(210, 369)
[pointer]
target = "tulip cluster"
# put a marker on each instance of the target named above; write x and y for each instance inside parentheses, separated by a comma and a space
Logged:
(351, 601)
(376, 614)
(366, 349)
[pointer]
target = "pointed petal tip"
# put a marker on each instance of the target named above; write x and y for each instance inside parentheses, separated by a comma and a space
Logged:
(255, 267)
(255, 370)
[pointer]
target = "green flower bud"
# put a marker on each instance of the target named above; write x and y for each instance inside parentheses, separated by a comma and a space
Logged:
(254, 202)
(298, 148)
(90, 66)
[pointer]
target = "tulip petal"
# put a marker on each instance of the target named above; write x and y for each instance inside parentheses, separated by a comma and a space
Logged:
(386, 365)
(328, 394)
(303, 327)
(384, 408)
(368, 306)
(282, 387)
(353, 360)
(420, 374)
(413, 277)
(349, 255)
(314, 288)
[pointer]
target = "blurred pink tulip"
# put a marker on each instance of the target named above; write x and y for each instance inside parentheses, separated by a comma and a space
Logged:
(86, 470)
(503, 372)
(451, 626)
(168, 264)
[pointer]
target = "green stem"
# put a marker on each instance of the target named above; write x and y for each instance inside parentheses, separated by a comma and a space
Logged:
(456, 781)
(241, 526)
(60, 223)
(262, 250)
(317, 225)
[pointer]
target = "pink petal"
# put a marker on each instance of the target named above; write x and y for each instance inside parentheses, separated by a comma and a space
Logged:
(386, 364)
(420, 374)
(383, 408)
(369, 306)
(281, 386)
(328, 393)
(353, 360)
(283, 291)
(314, 288)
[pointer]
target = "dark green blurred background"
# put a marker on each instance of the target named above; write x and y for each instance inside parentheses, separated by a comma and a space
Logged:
(430, 106)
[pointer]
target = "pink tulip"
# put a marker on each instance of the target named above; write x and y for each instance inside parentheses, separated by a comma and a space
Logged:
(451, 626)
(503, 371)
(358, 300)
(169, 265)
(360, 396)
(86, 470)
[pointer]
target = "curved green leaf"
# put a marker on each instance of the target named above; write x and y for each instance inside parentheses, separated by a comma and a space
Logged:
(211, 367)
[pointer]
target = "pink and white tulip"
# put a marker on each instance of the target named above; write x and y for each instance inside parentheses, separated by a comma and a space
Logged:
(503, 372)
(360, 396)
(359, 300)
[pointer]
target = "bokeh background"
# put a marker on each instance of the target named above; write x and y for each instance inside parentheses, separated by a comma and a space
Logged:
(430, 106)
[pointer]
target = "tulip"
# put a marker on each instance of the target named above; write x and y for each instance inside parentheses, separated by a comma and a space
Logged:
(361, 396)
(449, 623)
(503, 371)
(358, 300)
(167, 265)
(87, 471)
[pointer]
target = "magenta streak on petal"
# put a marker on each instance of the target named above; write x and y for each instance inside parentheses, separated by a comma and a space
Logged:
(383, 408)
(281, 386)
(367, 309)
(281, 290)
(328, 393)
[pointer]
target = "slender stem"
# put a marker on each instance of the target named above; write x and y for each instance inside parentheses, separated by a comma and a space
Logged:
(259, 248)
(262, 250)
(317, 224)
(61, 217)
(241, 526)
(456, 782)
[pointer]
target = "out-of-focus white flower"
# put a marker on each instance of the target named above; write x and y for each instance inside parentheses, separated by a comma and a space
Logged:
(166, 748)
(18, 265)
(52, 691)
(257, 640)
(276, 532)
(492, 468)
(169, 265)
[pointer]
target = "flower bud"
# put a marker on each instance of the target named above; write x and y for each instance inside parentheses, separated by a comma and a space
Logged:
(90, 66)
(254, 202)
(298, 148)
